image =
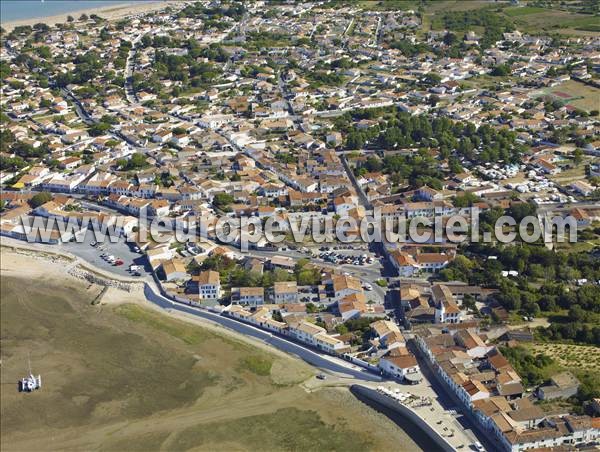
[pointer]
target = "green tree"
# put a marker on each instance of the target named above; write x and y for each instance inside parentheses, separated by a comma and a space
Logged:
(501, 70)
(577, 156)
(100, 128)
(40, 198)
(311, 308)
(222, 200)
(577, 314)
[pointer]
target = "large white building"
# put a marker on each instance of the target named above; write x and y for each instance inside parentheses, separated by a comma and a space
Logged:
(446, 309)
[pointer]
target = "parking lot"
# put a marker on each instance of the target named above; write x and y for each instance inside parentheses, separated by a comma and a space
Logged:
(120, 250)
(346, 257)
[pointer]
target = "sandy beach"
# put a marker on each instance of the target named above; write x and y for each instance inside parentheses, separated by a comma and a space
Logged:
(111, 12)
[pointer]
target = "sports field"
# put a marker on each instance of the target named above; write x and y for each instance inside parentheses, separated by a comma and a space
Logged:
(575, 93)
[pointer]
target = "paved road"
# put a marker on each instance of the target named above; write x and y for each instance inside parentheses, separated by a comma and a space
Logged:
(129, 91)
(323, 362)
(377, 32)
(88, 120)
(79, 109)
(375, 247)
(567, 206)
(359, 191)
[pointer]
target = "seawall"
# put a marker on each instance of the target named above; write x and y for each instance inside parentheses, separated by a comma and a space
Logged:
(426, 436)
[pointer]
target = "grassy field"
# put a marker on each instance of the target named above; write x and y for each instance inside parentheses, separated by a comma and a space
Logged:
(304, 429)
(579, 94)
(377, 5)
(122, 377)
(487, 81)
(581, 357)
(528, 19)
(579, 247)
(566, 176)
(574, 93)
(550, 20)
(523, 11)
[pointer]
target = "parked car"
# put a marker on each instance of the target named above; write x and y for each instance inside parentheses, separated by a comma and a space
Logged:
(478, 447)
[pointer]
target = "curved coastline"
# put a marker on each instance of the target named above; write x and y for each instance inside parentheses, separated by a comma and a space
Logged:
(153, 294)
(109, 12)
(408, 420)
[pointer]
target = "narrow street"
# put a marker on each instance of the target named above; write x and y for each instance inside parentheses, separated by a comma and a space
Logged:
(130, 69)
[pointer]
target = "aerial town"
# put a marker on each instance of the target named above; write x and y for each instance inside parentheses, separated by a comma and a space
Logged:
(321, 112)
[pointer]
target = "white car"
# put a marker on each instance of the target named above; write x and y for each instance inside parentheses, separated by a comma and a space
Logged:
(478, 447)
(368, 287)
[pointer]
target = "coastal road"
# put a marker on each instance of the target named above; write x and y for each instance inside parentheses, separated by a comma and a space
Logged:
(323, 362)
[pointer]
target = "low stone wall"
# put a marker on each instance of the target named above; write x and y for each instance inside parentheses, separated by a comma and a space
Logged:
(40, 254)
(362, 363)
(362, 392)
(95, 278)
(75, 267)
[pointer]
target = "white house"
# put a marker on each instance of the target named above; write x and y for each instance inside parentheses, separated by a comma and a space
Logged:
(446, 309)
(317, 337)
(162, 136)
(285, 292)
(251, 296)
(209, 285)
(398, 362)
